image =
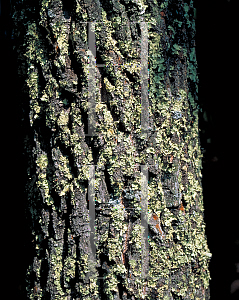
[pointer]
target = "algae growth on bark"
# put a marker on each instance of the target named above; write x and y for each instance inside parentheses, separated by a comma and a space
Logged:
(114, 192)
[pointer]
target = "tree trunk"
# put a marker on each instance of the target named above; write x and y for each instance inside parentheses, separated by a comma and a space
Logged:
(114, 193)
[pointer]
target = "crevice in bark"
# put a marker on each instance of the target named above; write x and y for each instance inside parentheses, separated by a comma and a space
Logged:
(102, 272)
(68, 212)
(122, 290)
(87, 197)
(68, 96)
(105, 97)
(184, 203)
(121, 126)
(44, 273)
(84, 119)
(130, 76)
(151, 176)
(175, 239)
(95, 154)
(51, 231)
(48, 40)
(107, 5)
(44, 133)
(76, 65)
(108, 184)
(68, 6)
(175, 296)
(41, 79)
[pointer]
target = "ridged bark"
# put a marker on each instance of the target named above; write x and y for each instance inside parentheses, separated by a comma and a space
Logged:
(51, 40)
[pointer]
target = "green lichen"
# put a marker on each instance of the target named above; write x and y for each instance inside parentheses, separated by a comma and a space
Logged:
(58, 65)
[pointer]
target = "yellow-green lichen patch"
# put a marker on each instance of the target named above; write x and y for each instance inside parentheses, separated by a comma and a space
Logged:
(63, 118)
(155, 199)
(136, 236)
(32, 83)
(108, 28)
(42, 161)
(110, 88)
(111, 285)
(59, 67)
(69, 270)
(42, 181)
(56, 267)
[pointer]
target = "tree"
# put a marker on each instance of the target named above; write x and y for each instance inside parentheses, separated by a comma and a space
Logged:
(114, 195)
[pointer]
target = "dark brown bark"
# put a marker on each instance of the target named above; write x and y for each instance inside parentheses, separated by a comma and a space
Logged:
(73, 173)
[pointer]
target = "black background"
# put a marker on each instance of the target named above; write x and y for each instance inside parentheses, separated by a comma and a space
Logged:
(217, 56)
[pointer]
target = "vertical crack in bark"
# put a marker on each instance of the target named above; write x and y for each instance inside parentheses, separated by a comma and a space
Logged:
(55, 66)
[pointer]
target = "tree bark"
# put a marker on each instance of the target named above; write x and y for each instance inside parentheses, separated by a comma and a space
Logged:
(114, 193)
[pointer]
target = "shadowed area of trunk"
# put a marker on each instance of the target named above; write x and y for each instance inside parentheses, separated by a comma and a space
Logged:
(71, 170)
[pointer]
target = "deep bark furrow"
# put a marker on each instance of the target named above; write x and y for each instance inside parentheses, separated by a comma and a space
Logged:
(56, 66)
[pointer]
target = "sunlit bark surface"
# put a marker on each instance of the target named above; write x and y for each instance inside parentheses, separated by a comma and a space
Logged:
(107, 257)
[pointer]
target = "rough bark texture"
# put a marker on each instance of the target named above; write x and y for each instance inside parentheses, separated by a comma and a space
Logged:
(52, 45)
